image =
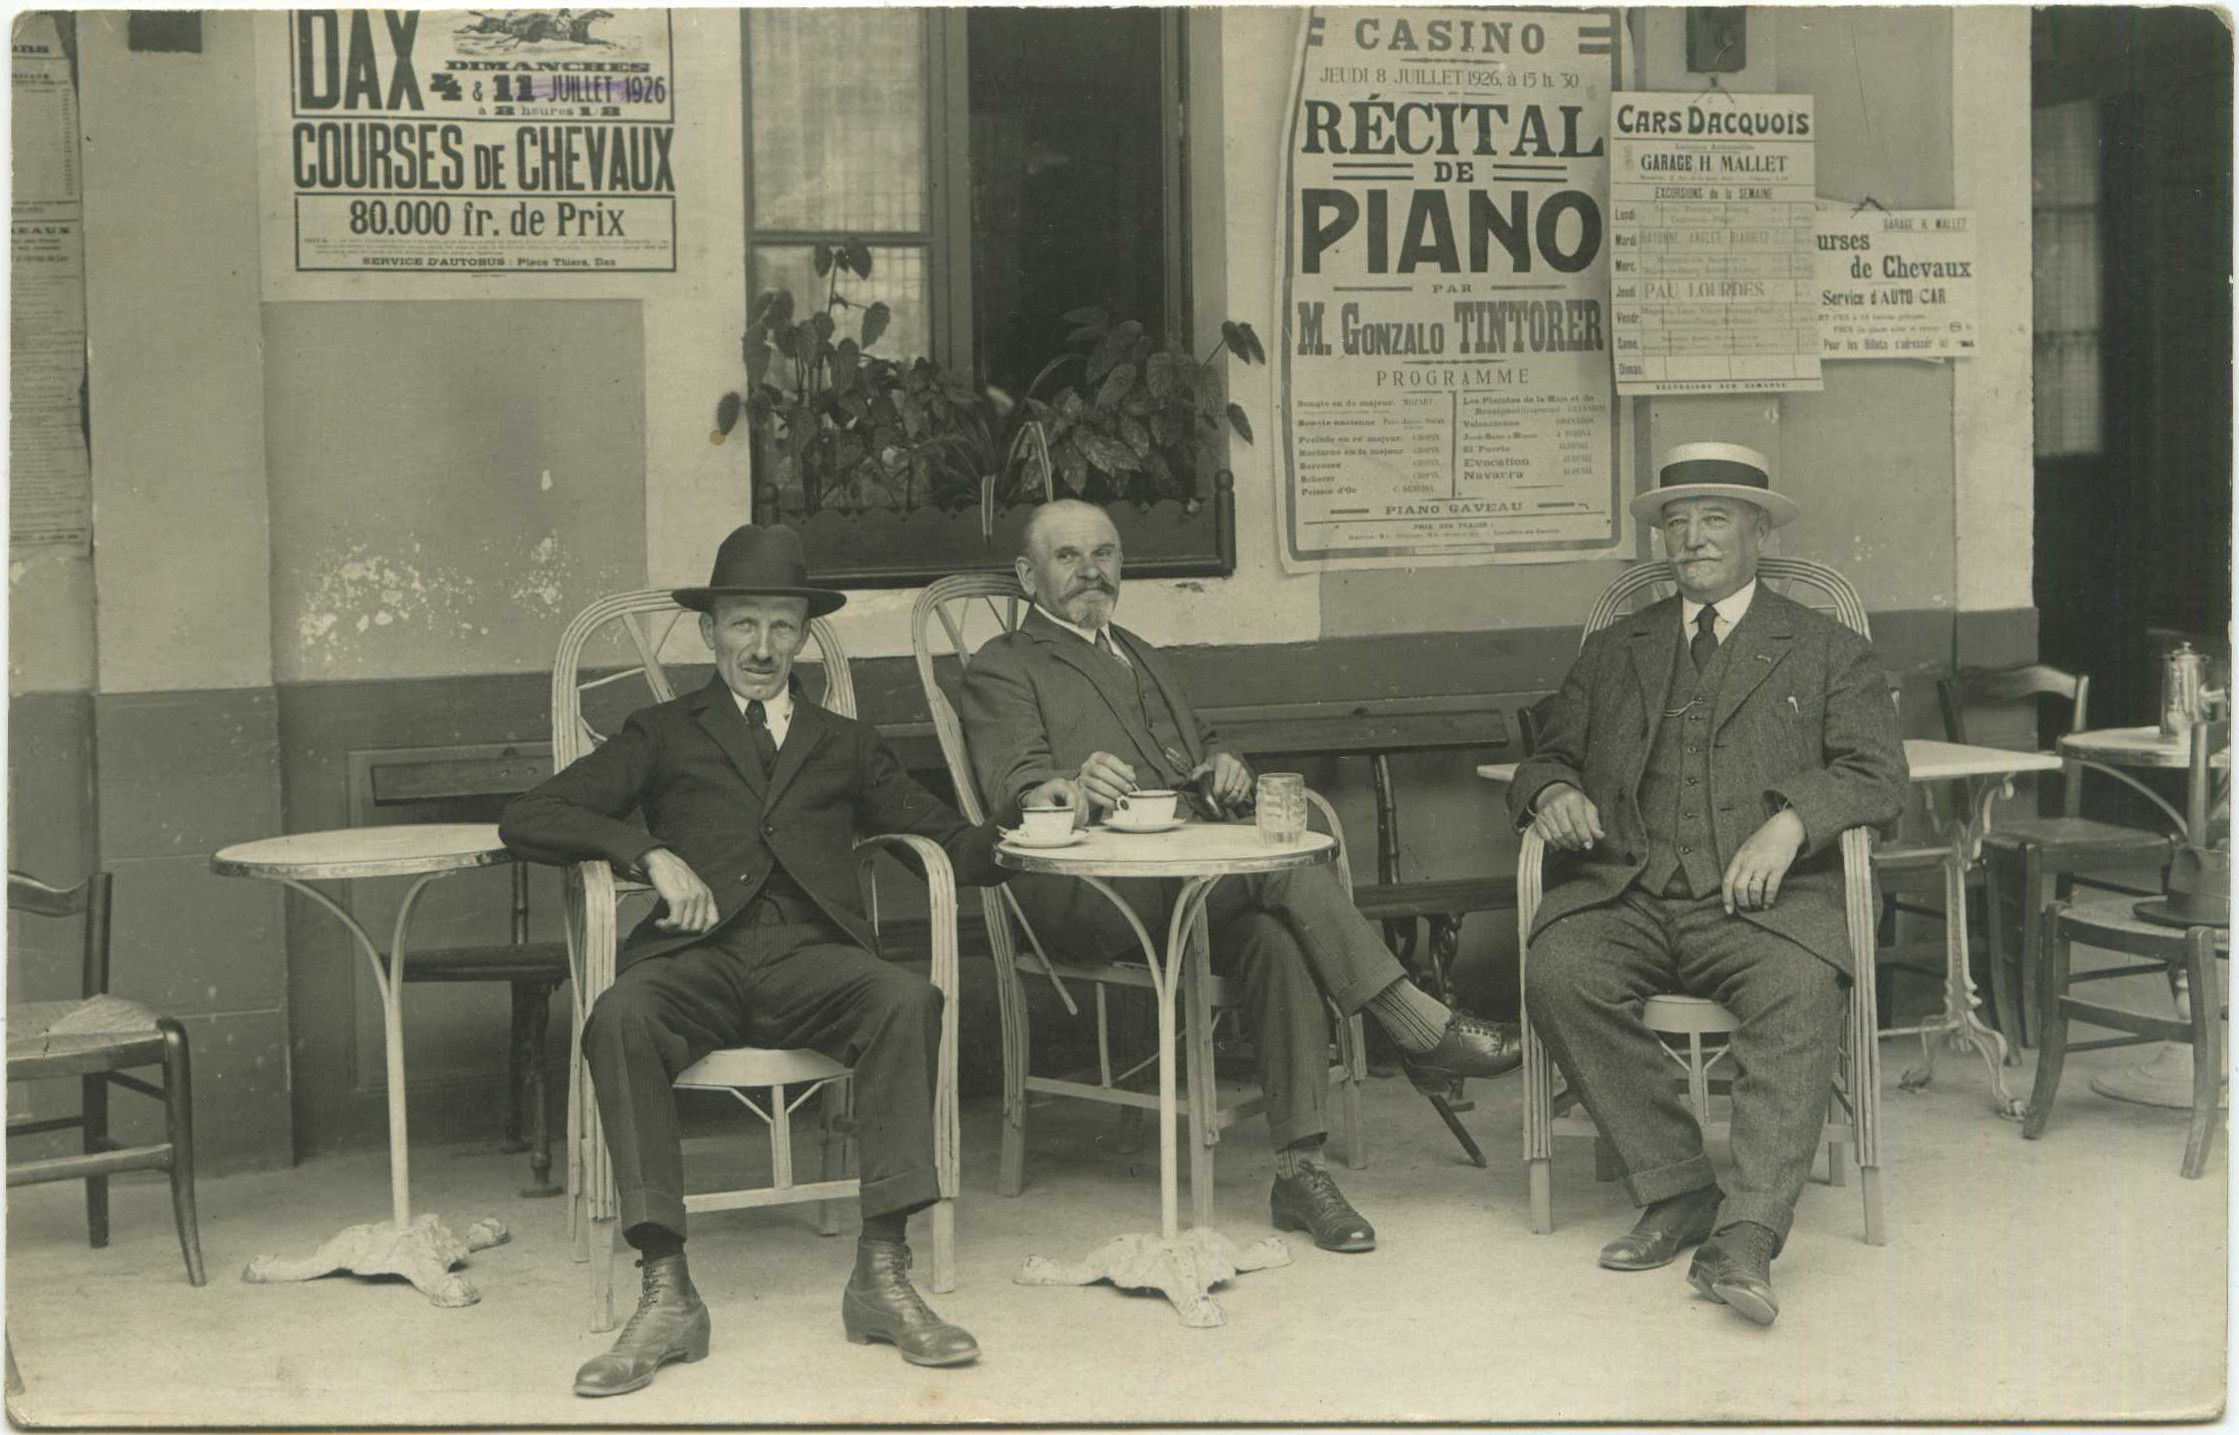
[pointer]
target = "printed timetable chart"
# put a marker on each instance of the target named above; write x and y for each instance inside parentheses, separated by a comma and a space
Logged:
(1713, 244)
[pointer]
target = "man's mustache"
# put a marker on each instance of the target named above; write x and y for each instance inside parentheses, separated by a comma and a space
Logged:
(1094, 585)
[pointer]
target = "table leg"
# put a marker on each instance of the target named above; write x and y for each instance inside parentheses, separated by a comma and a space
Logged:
(1182, 1266)
(423, 1251)
(1957, 1023)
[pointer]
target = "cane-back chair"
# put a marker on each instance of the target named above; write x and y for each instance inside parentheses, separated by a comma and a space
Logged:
(1683, 1022)
(2029, 860)
(98, 1038)
(620, 640)
(950, 609)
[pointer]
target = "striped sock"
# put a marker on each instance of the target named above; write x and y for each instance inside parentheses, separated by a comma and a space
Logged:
(1414, 1018)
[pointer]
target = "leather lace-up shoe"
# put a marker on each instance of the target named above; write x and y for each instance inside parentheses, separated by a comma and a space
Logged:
(1311, 1202)
(669, 1324)
(1734, 1268)
(1665, 1229)
(881, 1304)
(1469, 1048)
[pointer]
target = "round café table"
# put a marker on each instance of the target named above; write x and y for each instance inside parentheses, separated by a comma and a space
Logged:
(423, 1251)
(1182, 1266)
(2165, 1078)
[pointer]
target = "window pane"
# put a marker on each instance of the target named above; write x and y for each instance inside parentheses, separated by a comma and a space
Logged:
(1068, 179)
(839, 119)
(2064, 154)
(897, 276)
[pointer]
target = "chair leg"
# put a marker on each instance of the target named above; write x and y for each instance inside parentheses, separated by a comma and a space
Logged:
(534, 1088)
(944, 1246)
(1877, 1216)
(2033, 903)
(94, 1094)
(2207, 1048)
(1543, 1194)
(605, 1231)
(2006, 1001)
(2052, 1027)
(1010, 1171)
(832, 1155)
(517, 1064)
(1351, 1037)
(1837, 1164)
(178, 1120)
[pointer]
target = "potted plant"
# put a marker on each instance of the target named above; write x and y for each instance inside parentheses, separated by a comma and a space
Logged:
(896, 472)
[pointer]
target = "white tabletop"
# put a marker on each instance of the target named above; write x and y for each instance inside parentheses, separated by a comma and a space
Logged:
(1195, 849)
(1930, 761)
(2136, 747)
(400, 851)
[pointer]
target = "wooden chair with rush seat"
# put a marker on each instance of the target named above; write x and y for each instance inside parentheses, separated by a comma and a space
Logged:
(1693, 1028)
(2031, 861)
(98, 1038)
(950, 605)
(768, 1082)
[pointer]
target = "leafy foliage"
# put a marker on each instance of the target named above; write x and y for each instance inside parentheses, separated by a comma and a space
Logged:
(858, 430)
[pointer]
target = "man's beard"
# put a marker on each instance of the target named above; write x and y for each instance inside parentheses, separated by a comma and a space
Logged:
(1090, 608)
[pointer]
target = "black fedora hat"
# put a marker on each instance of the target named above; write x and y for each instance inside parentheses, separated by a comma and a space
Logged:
(762, 561)
(1714, 470)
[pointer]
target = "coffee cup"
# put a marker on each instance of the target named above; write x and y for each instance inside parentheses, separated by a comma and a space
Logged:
(1045, 824)
(1145, 807)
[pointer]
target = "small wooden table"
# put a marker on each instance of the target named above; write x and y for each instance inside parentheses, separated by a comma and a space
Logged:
(1183, 1267)
(2165, 1078)
(422, 1251)
(1992, 770)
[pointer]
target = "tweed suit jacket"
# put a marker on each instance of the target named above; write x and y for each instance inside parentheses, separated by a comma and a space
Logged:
(690, 768)
(1036, 702)
(1802, 720)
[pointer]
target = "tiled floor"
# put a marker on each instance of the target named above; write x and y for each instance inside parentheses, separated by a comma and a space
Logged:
(2077, 1277)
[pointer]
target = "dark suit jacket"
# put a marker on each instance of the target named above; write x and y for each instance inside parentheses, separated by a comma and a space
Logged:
(1803, 719)
(1035, 703)
(689, 766)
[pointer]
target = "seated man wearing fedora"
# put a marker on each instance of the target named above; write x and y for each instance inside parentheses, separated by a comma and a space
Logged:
(751, 798)
(1699, 767)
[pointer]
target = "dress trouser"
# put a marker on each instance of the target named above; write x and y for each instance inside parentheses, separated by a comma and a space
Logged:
(1587, 977)
(1291, 937)
(762, 980)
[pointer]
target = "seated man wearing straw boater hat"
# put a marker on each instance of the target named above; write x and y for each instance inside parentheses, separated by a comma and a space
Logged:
(751, 797)
(1699, 765)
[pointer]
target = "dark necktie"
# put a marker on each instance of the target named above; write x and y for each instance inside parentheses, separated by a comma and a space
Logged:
(765, 746)
(1704, 645)
(1104, 645)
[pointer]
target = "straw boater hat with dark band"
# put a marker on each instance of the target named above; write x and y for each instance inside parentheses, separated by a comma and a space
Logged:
(760, 562)
(1714, 470)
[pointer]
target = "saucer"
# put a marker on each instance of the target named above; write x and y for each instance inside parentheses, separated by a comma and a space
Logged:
(1016, 837)
(1138, 828)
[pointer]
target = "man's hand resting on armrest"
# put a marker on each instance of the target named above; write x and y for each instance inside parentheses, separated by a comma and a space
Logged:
(1566, 819)
(691, 905)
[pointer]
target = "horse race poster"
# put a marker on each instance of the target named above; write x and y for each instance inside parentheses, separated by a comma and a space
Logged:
(467, 142)
(1443, 379)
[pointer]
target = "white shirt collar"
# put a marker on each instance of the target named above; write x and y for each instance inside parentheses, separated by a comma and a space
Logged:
(778, 710)
(1086, 635)
(1730, 610)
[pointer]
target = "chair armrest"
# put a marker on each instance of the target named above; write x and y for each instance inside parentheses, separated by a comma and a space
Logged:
(1322, 805)
(940, 885)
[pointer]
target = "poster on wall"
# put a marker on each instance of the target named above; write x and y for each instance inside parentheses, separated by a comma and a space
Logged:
(1896, 284)
(484, 142)
(1712, 232)
(50, 475)
(1443, 380)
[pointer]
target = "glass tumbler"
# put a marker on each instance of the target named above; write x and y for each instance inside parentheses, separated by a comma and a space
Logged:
(1280, 800)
